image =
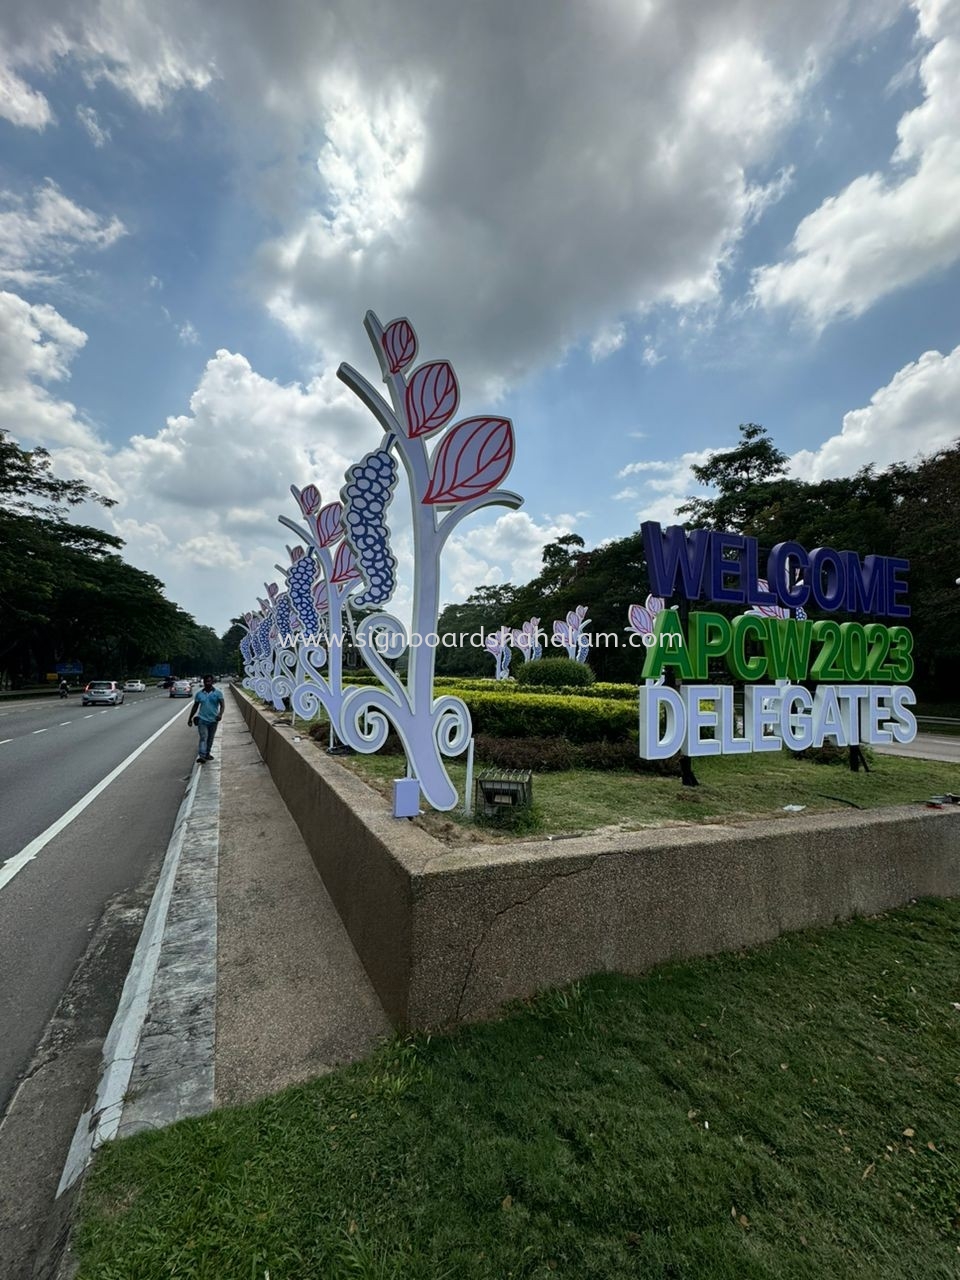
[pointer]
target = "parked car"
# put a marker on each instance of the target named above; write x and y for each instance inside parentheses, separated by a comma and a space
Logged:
(180, 689)
(134, 686)
(107, 692)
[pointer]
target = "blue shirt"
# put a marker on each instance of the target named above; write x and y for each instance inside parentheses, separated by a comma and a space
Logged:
(207, 706)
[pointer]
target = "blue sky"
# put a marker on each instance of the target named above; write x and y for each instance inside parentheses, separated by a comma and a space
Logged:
(630, 235)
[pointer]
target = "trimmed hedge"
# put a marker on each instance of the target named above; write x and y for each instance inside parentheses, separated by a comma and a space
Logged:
(555, 673)
(547, 716)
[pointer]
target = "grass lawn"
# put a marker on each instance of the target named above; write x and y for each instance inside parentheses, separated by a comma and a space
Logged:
(789, 1112)
(731, 787)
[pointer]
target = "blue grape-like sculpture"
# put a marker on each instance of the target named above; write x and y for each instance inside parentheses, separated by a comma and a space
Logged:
(299, 583)
(366, 495)
(283, 615)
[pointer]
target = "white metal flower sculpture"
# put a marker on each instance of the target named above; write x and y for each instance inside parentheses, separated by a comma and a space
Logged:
(497, 644)
(320, 581)
(572, 634)
(643, 616)
(457, 477)
(527, 640)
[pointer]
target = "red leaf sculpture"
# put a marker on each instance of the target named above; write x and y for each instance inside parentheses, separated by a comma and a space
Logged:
(344, 566)
(400, 344)
(432, 398)
(296, 553)
(308, 498)
(326, 524)
(471, 460)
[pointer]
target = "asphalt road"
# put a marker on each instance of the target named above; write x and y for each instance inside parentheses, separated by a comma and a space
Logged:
(51, 756)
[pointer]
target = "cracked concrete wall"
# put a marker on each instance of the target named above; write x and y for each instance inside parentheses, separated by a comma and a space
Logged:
(448, 935)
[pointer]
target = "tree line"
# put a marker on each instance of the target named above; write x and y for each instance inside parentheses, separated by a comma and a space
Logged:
(909, 510)
(67, 596)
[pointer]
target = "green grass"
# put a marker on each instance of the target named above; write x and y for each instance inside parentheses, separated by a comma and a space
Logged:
(787, 1113)
(730, 787)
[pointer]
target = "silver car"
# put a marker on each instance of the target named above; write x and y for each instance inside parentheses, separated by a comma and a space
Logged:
(105, 692)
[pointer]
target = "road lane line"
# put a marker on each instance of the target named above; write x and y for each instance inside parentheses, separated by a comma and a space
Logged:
(40, 730)
(101, 1122)
(5, 741)
(63, 722)
(89, 717)
(30, 851)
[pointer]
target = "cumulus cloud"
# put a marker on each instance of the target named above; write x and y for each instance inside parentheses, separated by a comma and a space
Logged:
(40, 234)
(514, 204)
(37, 346)
(915, 413)
(885, 230)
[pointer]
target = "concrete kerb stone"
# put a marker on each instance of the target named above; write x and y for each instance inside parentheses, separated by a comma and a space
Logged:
(448, 935)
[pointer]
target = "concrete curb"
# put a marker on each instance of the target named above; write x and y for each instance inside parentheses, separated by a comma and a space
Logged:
(449, 934)
(173, 970)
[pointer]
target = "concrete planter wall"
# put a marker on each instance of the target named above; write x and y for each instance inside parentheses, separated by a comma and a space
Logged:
(448, 935)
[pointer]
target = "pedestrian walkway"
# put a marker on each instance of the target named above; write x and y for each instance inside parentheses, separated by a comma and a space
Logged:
(245, 980)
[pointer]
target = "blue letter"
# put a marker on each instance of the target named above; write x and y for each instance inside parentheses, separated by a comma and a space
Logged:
(671, 550)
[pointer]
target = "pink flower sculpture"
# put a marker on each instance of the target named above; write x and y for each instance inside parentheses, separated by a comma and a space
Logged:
(643, 616)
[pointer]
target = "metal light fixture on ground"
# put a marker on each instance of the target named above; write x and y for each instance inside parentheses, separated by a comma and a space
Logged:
(498, 791)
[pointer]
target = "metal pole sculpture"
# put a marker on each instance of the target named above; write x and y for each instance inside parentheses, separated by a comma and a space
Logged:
(458, 477)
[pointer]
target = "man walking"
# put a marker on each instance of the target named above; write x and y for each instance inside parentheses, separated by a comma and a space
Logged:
(207, 710)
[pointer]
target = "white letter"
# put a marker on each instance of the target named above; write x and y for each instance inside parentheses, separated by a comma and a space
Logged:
(652, 698)
(699, 718)
(904, 725)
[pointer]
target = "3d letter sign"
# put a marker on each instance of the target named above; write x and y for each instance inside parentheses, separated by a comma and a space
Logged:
(294, 647)
(861, 671)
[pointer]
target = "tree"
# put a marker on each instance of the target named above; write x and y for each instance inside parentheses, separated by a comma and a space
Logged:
(748, 478)
(65, 593)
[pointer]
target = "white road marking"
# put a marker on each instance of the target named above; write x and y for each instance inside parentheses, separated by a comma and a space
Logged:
(63, 722)
(5, 741)
(30, 851)
(89, 717)
(123, 1038)
(40, 731)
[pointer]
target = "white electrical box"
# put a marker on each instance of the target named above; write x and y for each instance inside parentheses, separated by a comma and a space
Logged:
(406, 797)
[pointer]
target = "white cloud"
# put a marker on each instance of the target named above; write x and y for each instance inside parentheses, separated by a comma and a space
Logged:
(37, 346)
(915, 413)
(198, 500)
(37, 237)
(99, 136)
(512, 203)
(670, 484)
(607, 341)
(20, 104)
(508, 549)
(188, 335)
(651, 357)
(885, 230)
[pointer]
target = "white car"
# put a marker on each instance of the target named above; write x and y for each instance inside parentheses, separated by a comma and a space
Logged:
(107, 692)
(134, 686)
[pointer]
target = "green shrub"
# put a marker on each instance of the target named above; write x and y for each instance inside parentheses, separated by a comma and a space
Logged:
(544, 715)
(555, 673)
